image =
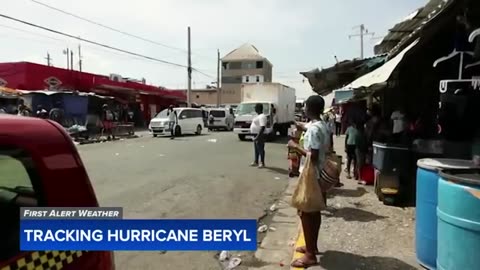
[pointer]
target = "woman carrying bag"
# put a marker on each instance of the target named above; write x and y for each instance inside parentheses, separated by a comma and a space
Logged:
(319, 175)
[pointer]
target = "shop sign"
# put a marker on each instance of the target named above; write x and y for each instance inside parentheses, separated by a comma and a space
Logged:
(52, 82)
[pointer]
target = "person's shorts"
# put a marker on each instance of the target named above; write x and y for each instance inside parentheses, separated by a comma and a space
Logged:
(351, 151)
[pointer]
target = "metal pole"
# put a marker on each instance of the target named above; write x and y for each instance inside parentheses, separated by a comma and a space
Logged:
(71, 59)
(362, 28)
(218, 79)
(80, 57)
(68, 58)
(189, 89)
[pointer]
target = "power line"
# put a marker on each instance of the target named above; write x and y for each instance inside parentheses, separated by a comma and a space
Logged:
(108, 27)
(99, 44)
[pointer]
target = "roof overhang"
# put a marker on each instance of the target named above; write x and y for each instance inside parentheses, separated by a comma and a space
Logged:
(327, 80)
(380, 76)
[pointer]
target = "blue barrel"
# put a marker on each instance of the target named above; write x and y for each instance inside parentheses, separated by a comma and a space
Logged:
(426, 211)
(459, 220)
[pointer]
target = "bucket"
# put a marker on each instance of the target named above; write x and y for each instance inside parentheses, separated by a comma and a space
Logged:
(458, 215)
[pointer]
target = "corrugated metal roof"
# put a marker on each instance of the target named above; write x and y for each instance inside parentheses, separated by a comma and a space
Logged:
(414, 22)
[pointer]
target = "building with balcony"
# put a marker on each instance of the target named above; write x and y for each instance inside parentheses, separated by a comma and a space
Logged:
(242, 66)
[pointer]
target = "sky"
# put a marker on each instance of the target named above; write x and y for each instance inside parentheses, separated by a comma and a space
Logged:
(294, 35)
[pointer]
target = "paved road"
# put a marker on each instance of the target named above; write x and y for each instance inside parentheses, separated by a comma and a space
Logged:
(191, 177)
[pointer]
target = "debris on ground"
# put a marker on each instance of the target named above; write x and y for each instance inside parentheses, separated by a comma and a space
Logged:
(277, 178)
(223, 256)
(212, 140)
(273, 208)
(262, 228)
(272, 229)
(234, 262)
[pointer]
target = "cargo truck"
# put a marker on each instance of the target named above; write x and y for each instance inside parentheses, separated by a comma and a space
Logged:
(278, 105)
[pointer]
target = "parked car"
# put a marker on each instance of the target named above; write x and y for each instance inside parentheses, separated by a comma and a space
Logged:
(189, 120)
(221, 118)
(44, 169)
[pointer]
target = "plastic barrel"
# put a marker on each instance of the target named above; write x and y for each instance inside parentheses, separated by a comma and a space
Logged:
(458, 215)
(426, 203)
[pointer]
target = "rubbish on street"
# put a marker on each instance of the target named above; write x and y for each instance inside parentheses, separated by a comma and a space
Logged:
(272, 229)
(212, 140)
(161, 155)
(273, 208)
(262, 228)
(116, 154)
(223, 256)
(277, 178)
(234, 262)
(143, 146)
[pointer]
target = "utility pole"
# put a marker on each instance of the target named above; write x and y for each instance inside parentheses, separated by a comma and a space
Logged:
(71, 59)
(48, 59)
(189, 89)
(218, 79)
(80, 57)
(67, 52)
(363, 32)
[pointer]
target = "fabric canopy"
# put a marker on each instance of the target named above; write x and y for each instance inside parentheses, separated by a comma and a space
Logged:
(382, 74)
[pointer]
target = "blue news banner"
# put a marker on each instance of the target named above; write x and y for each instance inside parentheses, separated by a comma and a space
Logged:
(125, 234)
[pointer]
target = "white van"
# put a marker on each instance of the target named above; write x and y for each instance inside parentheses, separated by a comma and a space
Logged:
(190, 120)
(221, 118)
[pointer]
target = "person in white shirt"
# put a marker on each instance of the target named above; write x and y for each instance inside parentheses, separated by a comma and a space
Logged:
(399, 124)
(172, 121)
(257, 128)
(338, 123)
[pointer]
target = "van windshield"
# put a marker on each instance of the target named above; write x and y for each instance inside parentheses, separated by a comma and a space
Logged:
(219, 114)
(164, 113)
(249, 108)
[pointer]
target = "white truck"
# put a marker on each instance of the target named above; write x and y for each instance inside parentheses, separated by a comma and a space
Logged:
(278, 103)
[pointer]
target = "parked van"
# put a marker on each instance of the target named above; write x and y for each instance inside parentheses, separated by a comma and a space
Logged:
(221, 118)
(189, 120)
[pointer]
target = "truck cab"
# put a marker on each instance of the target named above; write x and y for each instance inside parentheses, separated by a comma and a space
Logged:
(40, 167)
(245, 114)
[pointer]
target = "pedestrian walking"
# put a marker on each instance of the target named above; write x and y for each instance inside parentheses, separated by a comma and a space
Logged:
(351, 139)
(316, 143)
(107, 120)
(172, 121)
(338, 123)
(257, 128)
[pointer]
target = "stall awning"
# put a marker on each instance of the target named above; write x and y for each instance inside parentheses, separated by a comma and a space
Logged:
(381, 75)
(343, 96)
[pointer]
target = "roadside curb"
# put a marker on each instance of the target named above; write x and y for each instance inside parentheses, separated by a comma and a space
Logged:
(276, 249)
(299, 242)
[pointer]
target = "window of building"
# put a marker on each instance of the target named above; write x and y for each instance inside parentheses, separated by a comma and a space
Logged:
(225, 65)
(235, 65)
(247, 79)
(198, 96)
(232, 79)
(259, 64)
(19, 187)
(248, 65)
(258, 78)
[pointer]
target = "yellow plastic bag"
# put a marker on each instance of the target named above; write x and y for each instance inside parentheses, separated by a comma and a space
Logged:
(308, 197)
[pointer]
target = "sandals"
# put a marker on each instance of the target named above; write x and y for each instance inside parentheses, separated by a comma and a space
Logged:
(303, 250)
(303, 263)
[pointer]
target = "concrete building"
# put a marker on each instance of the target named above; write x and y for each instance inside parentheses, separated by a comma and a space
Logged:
(242, 66)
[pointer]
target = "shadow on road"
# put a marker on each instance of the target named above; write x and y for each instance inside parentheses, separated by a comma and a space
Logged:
(354, 193)
(278, 170)
(336, 260)
(354, 214)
